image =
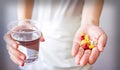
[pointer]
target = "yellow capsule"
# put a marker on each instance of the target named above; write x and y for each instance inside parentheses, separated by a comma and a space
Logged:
(91, 46)
(87, 38)
(83, 42)
(88, 41)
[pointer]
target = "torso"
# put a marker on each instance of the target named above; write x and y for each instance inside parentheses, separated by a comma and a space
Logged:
(60, 20)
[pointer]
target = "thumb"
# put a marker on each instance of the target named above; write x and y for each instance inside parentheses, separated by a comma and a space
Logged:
(42, 38)
(102, 42)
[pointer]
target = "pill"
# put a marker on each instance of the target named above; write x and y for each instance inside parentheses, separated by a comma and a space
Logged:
(83, 42)
(85, 47)
(82, 34)
(91, 46)
(93, 43)
(86, 43)
(81, 38)
(86, 37)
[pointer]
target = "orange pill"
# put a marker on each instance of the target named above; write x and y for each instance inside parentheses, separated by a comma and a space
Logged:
(82, 34)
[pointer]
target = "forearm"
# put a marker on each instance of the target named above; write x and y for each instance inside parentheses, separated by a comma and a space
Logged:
(25, 8)
(92, 11)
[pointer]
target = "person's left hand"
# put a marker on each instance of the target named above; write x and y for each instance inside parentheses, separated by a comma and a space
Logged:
(95, 33)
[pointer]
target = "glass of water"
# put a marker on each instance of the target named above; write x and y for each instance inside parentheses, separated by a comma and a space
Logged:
(27, 34)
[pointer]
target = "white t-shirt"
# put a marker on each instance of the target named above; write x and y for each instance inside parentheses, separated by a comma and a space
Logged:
(60, 20)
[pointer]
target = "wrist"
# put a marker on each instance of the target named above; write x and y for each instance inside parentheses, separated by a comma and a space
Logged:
(86, 21)
(23, 18)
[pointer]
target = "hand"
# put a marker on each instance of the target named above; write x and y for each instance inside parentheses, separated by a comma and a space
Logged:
(16, 56)
(82, 56)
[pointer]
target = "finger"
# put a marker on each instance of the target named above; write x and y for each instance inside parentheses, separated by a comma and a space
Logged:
(16, 60)
(85, 58)
(94, 55)
(42, 38)
(76, 43)
(16, 53)
(102, 41)
(79, 55)
(75, 48)
(8, 39)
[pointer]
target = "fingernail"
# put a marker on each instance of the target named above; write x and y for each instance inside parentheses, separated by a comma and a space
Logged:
(73, 53)
(82, 65)
(100, 48)
(19, 63)
(77, 62)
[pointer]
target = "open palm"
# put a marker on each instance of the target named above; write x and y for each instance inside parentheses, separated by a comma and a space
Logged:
(95, 33)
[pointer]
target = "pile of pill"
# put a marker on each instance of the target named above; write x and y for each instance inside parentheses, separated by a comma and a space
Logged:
(86, 43)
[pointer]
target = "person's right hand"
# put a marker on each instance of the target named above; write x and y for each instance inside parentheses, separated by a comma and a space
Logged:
(15, 55)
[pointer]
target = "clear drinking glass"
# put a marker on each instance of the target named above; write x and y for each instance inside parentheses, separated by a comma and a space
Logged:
(27, 34)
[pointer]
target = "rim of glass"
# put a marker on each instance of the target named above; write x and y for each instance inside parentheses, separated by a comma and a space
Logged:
(15, 23)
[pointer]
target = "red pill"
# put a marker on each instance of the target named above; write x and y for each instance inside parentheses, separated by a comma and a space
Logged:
(85, 47)
(82, 38)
